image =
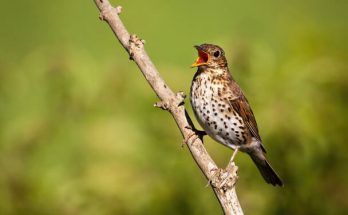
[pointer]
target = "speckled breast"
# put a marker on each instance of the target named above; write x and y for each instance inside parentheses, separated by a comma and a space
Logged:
(214, 112)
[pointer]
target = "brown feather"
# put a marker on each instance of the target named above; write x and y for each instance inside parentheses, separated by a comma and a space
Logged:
(242, 107)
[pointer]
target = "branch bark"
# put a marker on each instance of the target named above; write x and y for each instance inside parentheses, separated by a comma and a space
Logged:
(222, 180)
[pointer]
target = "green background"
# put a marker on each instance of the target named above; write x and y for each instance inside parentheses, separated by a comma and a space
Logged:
(79, 133)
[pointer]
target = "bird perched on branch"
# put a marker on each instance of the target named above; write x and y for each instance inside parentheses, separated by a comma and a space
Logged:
(223, 111)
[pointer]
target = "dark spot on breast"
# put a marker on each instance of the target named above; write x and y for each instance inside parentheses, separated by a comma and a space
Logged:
(241, 127)
(229, 109)
(227, 134)
(226, 126)
(232, 129)
(222, 119)
(240, 121)
(221, 110)
(215, 114)
(235, 124)
(215, 126)
(208, 111)
(220, 129)
(165, 86)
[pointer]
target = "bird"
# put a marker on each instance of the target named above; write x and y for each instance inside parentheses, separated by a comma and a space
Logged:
(224, 112)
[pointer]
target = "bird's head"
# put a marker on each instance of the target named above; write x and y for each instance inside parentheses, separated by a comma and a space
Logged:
(210, 55)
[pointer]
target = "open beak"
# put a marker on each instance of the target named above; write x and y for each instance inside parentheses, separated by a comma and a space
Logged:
(203, 57)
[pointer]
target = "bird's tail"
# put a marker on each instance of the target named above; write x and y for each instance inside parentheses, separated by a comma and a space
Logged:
(265, 169)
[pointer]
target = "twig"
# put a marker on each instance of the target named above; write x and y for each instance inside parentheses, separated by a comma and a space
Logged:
(222, 181)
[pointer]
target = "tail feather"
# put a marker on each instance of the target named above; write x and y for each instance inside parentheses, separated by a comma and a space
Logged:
(266, 170)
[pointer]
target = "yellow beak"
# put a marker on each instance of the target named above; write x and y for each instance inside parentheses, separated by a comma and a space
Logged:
(203, 57)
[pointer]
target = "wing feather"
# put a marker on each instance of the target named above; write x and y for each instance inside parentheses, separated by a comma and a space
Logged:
(242, 107)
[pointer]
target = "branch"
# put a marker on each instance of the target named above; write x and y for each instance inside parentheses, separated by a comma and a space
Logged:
(222, 180)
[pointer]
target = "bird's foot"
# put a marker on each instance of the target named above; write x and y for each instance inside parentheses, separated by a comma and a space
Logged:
(223, 178)
(192, 137)
(197, 132)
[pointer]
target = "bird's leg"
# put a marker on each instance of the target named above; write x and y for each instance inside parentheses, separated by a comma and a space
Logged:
(229, 171)
(234, 155)
(221, 178)
(231, 164)
(191, 138)
(200, 134)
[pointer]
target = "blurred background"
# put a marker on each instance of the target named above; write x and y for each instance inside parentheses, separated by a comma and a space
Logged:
(79, 133)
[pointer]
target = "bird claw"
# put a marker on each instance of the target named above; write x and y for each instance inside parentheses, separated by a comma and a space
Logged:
(199, 133)
(222, 178)
(192, 137)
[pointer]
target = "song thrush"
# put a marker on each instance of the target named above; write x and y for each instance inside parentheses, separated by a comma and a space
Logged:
(223, 111)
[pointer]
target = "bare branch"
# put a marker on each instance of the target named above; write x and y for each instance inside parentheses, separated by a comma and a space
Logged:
(222, 181)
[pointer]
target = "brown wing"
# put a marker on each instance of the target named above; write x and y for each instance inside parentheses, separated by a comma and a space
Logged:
(240, 104)
(242, 107)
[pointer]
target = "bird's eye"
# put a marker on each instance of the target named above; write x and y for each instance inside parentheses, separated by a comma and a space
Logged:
(217, 54)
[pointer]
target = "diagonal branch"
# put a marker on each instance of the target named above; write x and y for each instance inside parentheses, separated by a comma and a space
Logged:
(222, 180)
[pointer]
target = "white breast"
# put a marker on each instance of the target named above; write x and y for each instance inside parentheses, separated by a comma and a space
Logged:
(213, 113)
